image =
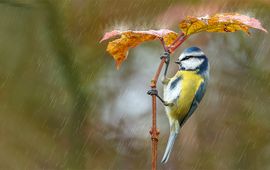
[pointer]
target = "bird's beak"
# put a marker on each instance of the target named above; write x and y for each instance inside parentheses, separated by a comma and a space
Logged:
(177, 62)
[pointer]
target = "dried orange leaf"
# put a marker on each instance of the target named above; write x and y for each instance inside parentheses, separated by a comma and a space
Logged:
(109, 35)
(129, 39)
(226, 22)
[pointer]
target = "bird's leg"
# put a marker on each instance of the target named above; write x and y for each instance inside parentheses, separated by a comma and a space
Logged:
(166, 55)
(155, 92)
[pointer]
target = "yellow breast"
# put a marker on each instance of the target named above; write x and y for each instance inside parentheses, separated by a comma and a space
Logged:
(190, 82)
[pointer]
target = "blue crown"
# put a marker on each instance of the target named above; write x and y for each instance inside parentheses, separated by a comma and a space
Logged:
(192, 49)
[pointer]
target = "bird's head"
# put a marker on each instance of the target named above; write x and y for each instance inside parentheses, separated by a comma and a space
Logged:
(193, 59)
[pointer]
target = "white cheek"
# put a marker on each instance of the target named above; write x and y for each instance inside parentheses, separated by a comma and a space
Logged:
(191, 63)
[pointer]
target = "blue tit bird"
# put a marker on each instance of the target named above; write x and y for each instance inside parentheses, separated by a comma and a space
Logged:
(184, 91)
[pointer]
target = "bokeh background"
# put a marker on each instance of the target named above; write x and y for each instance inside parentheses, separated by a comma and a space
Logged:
(63, 105)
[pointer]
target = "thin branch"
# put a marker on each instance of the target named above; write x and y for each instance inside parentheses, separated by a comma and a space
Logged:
(163, 44)
(177, 42)
(154, 132)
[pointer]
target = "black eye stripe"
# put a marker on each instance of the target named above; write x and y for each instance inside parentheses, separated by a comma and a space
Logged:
(186, 58)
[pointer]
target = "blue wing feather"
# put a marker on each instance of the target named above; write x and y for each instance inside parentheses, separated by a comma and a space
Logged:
(198, 97)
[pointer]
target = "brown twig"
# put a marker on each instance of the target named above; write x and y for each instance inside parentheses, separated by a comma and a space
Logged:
(154, 132)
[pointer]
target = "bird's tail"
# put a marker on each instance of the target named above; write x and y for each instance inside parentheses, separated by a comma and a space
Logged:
(174, 130)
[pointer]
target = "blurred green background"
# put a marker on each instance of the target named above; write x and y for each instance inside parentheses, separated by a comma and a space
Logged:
(63, 105)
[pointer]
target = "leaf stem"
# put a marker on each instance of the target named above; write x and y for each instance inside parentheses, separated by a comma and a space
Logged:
(163, 44)
(180, 39)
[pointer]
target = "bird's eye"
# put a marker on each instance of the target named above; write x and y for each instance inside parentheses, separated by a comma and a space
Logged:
(186, 58)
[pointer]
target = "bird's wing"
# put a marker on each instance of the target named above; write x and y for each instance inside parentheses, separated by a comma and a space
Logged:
(198, 97)
(172, 90)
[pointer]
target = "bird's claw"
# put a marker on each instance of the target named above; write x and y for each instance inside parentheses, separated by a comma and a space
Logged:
(168, 104)
(166, 55)
(152, 92)
(155, 93)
